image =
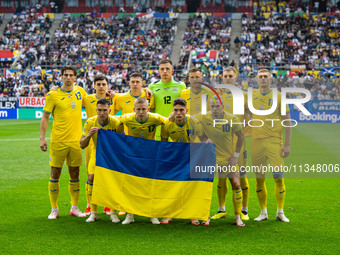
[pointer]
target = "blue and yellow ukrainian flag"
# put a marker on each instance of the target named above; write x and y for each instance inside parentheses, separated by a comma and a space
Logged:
(153, 178)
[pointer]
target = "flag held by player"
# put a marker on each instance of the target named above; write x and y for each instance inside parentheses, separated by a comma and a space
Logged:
(151, 178)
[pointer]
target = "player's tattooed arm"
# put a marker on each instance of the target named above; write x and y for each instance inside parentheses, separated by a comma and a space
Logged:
(85, 140)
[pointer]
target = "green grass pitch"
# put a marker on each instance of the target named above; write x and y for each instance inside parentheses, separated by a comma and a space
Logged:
(312, 206)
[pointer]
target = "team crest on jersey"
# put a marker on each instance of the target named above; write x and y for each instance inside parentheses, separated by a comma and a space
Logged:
(174, 89)
(181, 139)
(261, 107)
(141, 135)
(197, 106)
(73, 105)
(227, 106)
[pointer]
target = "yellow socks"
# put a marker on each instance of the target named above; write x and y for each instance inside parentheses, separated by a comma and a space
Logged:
(261, 192)
(93, 206)
(237, 200)
(87, 192)
(280, 192)
(74, 188)
(53, 190)
(245, 190)
(222, 189)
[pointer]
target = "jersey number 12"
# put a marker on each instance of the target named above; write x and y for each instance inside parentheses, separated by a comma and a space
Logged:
(167, 100)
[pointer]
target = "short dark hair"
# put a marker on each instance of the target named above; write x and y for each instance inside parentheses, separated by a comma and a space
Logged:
(136, 74)
(141, 100)
(69, 68)
(165, 61)
(100, 77)
(180, 101)
(104, 101)
(194, 70)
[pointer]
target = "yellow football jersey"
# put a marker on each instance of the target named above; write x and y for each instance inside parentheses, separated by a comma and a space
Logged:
(194, 100)
(114, 125)
(182, 134)
(66, 111)
(125, 102)
(222, 135)
(90, 104)
(146, 129)
(269, 128)
(227, 100)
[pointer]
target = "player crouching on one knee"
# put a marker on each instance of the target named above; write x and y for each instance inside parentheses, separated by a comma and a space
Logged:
(102, 121)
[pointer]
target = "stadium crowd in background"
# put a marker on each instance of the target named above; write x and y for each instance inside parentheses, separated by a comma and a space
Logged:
(292, 36)
(27, 32)
(119, 46)
(205, 34)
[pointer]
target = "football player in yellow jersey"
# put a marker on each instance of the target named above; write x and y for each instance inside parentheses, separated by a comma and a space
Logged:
(101, 85)
(125, 101)
(229, 78)
(91, 128)
(222, 136)
(65, 106)
(182, 130)
(141, 124)
(267, 144)
(193, 94)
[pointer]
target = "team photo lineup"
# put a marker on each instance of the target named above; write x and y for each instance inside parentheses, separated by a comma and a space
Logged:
(179, 126)
(171, 113)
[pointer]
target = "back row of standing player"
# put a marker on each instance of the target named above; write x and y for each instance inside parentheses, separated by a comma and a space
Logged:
(65, 105)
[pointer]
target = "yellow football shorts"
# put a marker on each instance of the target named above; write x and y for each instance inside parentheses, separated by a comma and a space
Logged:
(92, 163)
(88, 151)
(267, 151)
(71, 152)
